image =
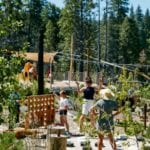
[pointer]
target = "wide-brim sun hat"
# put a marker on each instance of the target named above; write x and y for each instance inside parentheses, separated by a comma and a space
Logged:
(106, 94)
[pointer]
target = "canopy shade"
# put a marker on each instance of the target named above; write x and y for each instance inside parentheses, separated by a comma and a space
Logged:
(47, 57)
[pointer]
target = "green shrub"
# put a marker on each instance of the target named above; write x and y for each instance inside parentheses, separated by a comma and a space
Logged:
(148, 132)
(9, 141)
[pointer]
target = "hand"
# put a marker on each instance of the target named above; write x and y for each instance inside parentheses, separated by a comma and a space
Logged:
(77, 82)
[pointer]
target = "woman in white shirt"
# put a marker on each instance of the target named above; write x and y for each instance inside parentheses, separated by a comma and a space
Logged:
(63, 107)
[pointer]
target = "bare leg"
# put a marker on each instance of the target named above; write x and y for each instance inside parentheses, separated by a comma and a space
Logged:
(100, 141)
(66, 123)
(92, 119)
(112, 141)
(62, 120)
(82, 117)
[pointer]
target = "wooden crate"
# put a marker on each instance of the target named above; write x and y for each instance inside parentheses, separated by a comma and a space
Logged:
(40, 109)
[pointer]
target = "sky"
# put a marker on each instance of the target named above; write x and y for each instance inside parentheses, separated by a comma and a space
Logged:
(143, 3)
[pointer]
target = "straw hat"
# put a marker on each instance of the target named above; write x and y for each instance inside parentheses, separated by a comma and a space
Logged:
(107, 94)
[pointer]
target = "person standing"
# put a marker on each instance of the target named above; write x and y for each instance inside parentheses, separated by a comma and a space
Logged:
(63, 108)
(26, 69)
(88, 101)
(14, 105)
(105, 123)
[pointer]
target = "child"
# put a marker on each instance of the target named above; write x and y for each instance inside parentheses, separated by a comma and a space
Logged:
(63, 107)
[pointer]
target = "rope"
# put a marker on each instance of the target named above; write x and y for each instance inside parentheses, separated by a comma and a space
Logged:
(95, 61)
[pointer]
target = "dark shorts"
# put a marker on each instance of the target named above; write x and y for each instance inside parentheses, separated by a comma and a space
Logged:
(63, 112)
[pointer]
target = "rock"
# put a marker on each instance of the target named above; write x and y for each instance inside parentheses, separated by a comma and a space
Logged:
(140, 138)
(85, 143)
(122, 137)
(70, 144)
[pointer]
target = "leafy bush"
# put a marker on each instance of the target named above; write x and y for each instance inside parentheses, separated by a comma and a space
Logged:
(148, 132)
(9, 141)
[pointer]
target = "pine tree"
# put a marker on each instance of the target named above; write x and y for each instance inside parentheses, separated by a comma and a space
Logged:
(75, 21)
(140, 23)
(11, 27)
(34, 23)
(129, 41)
(147, 32)
(113, 39)
(132, 15)
(120, 8)
(50, 17)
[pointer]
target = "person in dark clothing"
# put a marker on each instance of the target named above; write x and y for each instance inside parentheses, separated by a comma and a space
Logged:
(88, 101)
(15, 105)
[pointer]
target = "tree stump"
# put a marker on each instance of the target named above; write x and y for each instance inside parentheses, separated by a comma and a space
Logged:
(58, 130)
(55, 142)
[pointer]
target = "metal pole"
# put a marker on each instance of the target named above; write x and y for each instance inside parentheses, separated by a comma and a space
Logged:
(40, 62)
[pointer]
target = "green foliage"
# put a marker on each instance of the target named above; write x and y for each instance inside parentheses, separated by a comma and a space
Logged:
(9, 141)
(144, 92)
(8, 80)
(9, 68)
(124, 85)
(120, 8)
(134, 128)
(77, 29)
(131, 126)
(11, 27)
(148, 133)
(129, 41)
(50, 34)
(50, 16)
(28, 90)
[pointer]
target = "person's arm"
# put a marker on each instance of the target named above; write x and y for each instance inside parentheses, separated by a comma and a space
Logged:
(66, 107)
(56, 96)
(100, 86)
(93, 109)
(118, 109)
(66, 104)
(117, 112)
(78, 89)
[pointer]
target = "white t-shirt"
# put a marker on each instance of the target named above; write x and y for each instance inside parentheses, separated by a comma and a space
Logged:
(63, 103)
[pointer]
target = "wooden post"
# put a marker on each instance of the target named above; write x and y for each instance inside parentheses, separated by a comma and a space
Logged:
(56, 143)
(58, 130)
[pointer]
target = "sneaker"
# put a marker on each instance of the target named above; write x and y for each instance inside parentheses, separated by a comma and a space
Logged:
(68, 134)
(96, 144)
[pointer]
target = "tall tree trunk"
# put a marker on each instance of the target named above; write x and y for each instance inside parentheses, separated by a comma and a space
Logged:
(99, 36)
(87, 61)
(81, 65)
(72, 57)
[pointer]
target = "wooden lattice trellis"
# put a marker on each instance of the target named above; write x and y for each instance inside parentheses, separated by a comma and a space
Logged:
(42, 108)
